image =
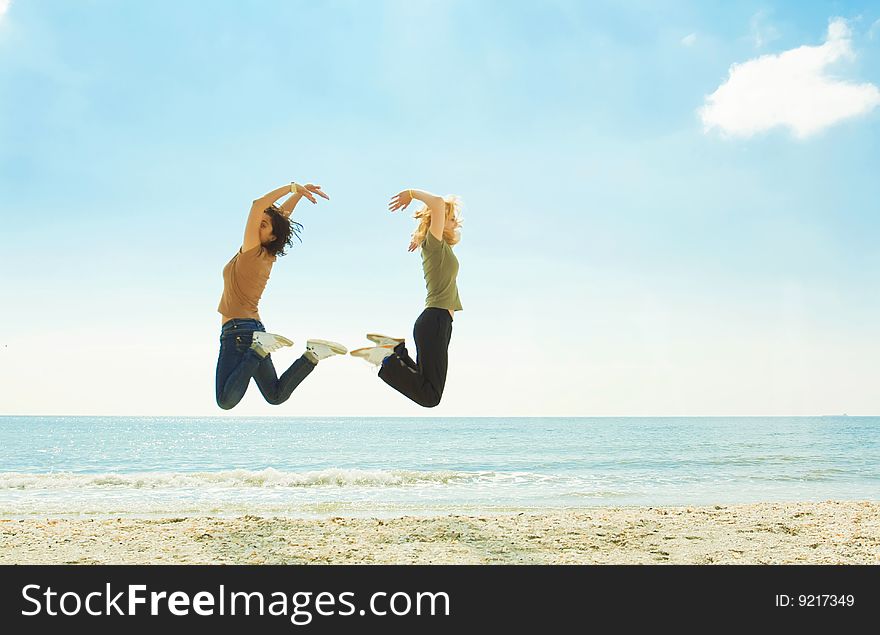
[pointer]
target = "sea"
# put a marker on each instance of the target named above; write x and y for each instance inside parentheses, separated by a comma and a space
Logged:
(160, 467)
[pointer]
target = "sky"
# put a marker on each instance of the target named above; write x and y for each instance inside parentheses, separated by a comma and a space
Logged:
(670, 209)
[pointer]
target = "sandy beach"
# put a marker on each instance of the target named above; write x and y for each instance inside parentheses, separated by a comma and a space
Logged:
(829, 532)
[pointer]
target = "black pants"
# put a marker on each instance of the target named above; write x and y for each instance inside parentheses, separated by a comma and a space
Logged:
(238, 363)
(422, 380)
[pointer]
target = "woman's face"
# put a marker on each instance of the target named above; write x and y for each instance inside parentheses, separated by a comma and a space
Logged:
(451, 224)
(266, 235)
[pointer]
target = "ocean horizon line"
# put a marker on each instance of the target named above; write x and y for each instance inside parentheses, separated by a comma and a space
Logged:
(383, 417)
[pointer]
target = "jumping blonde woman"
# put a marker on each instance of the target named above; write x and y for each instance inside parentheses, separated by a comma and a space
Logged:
(423, 380)
(245, 346)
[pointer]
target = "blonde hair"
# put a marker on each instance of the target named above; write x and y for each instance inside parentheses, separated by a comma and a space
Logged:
(452, 204)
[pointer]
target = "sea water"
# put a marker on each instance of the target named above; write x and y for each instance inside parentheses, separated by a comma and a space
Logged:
(318, 467)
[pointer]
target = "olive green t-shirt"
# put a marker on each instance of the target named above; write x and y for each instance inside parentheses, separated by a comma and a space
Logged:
(441, 271)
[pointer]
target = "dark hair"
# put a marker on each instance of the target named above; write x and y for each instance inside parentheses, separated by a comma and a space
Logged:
(284, 230)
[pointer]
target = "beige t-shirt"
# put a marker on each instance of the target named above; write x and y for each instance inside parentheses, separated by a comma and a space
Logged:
(244, 278)
(441, 272)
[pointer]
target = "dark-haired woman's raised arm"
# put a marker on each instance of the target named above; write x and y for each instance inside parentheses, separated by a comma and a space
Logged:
(308, 190)
(258, 224)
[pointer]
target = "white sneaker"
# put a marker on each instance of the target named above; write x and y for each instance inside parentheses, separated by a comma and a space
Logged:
(265, 343)
(374, 354)
(322, 349)
(384, 340)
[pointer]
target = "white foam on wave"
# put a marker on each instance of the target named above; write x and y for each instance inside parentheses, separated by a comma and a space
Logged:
(268, 477)
(271, 478)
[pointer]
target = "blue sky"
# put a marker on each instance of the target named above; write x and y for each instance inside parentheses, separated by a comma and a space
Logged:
(618, 257)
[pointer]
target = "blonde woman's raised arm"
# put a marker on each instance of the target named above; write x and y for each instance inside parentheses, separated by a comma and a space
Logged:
(436, 207)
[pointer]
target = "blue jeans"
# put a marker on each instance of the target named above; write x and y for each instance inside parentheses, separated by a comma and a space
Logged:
(238, 362)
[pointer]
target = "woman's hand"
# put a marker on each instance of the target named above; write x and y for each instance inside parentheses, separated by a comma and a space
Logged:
(400, 201)
(309, 190)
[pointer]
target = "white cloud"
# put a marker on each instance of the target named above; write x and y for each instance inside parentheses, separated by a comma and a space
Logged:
(762, 33)
(4, 7)
(874, 29)
(790, 89)
(688, 40)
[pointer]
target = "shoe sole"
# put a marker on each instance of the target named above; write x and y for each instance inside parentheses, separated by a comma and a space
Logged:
(363, 352)
(375, 337)
(280, 341)
(339, 349)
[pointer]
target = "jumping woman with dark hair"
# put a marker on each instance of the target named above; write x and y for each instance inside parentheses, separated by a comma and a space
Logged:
(245, 346)
(423, 380)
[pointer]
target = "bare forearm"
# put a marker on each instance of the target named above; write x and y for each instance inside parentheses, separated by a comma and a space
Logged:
(287, 206)
(269, 199)
(433, 203)
(426, 197)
